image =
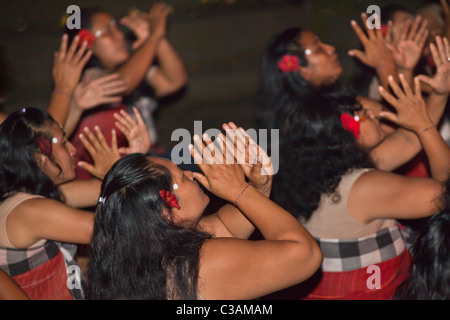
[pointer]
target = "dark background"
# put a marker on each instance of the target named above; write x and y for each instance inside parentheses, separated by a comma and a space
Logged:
(220, 41)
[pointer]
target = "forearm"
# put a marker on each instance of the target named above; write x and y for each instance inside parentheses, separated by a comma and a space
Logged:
(272, 221)
(403, 145)
(73, 118)
(170, 63)
(384, 71)
(134, 70)
(59, 105)
(81, 193)
(437, 151)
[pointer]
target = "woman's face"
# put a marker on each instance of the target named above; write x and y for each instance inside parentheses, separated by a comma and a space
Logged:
(109, 46)
(63, 153)
(323, 65)
(191, 198)
(371, 133)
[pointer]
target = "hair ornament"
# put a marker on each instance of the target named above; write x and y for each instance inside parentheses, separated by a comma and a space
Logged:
(289, 63)
(169, 199)
(86, 36)
(43, 145)
(351, 124)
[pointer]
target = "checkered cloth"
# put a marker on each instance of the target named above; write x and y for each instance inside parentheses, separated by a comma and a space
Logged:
(347, 255)
(16, 262)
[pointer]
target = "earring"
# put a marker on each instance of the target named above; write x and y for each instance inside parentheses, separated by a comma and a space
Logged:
(175, 187)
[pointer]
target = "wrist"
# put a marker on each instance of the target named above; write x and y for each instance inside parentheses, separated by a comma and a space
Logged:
(63, 91)
(425, 127)
(241, 193)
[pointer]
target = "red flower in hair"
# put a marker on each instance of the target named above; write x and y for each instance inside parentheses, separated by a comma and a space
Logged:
(86, 35)
(44, 145)
(289, 63)
(350, 124)
(169, 199)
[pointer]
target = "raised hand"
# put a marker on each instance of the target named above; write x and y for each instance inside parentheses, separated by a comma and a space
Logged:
(138, 22)
(376, 54)
(223, 178)
(440, 83)
(136, 132)
(158, 19)
(103, 155)
(255, 163)
(91, 93)
(68, 65)
(408, 49)
(412, 112)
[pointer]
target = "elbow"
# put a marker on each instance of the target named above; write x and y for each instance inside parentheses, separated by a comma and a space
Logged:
(308, 258)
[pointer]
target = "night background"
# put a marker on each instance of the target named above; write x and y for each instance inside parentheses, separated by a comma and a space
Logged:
(220, 41)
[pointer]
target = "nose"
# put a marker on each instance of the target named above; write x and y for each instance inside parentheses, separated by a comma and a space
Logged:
(329, 48)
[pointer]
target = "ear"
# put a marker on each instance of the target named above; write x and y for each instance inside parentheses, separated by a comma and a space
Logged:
(40, 159)
(172, 218)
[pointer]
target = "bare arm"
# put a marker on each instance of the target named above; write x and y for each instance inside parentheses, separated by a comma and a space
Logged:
(38, 218)
(135, 69)
(242, 269)
(67, 70)
(170, 75)
(9, 289)
(404, 144)
(81, 193)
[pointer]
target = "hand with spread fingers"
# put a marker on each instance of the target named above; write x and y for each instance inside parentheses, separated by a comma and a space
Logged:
(376, 54)
(135, 131)
(158, 19)
(440, 83)
(254, 161)
(412, 112)
(222, 177)
(408, 49)
(138, 22)
(102, 154)
(91, 93)
(68, 65)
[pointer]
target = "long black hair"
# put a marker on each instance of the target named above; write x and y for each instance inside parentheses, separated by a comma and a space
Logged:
(277, 89)
(19, 171)
(136, 250)
(430, 268)
(316, 151)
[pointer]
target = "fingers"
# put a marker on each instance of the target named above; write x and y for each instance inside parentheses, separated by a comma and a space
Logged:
(405, 85)
(359, 33)
(414, 28)
(88, 167)
(358, 54)
(395, 88)
(202, 179)
(426, 79)
(422, 34)
(389, 116)
(388, 97)
(435, 54)
(388, 36)
(447, 48)
(405, 31)
(441, 49)
(418, 87)
(63, 47)
(73, 47)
